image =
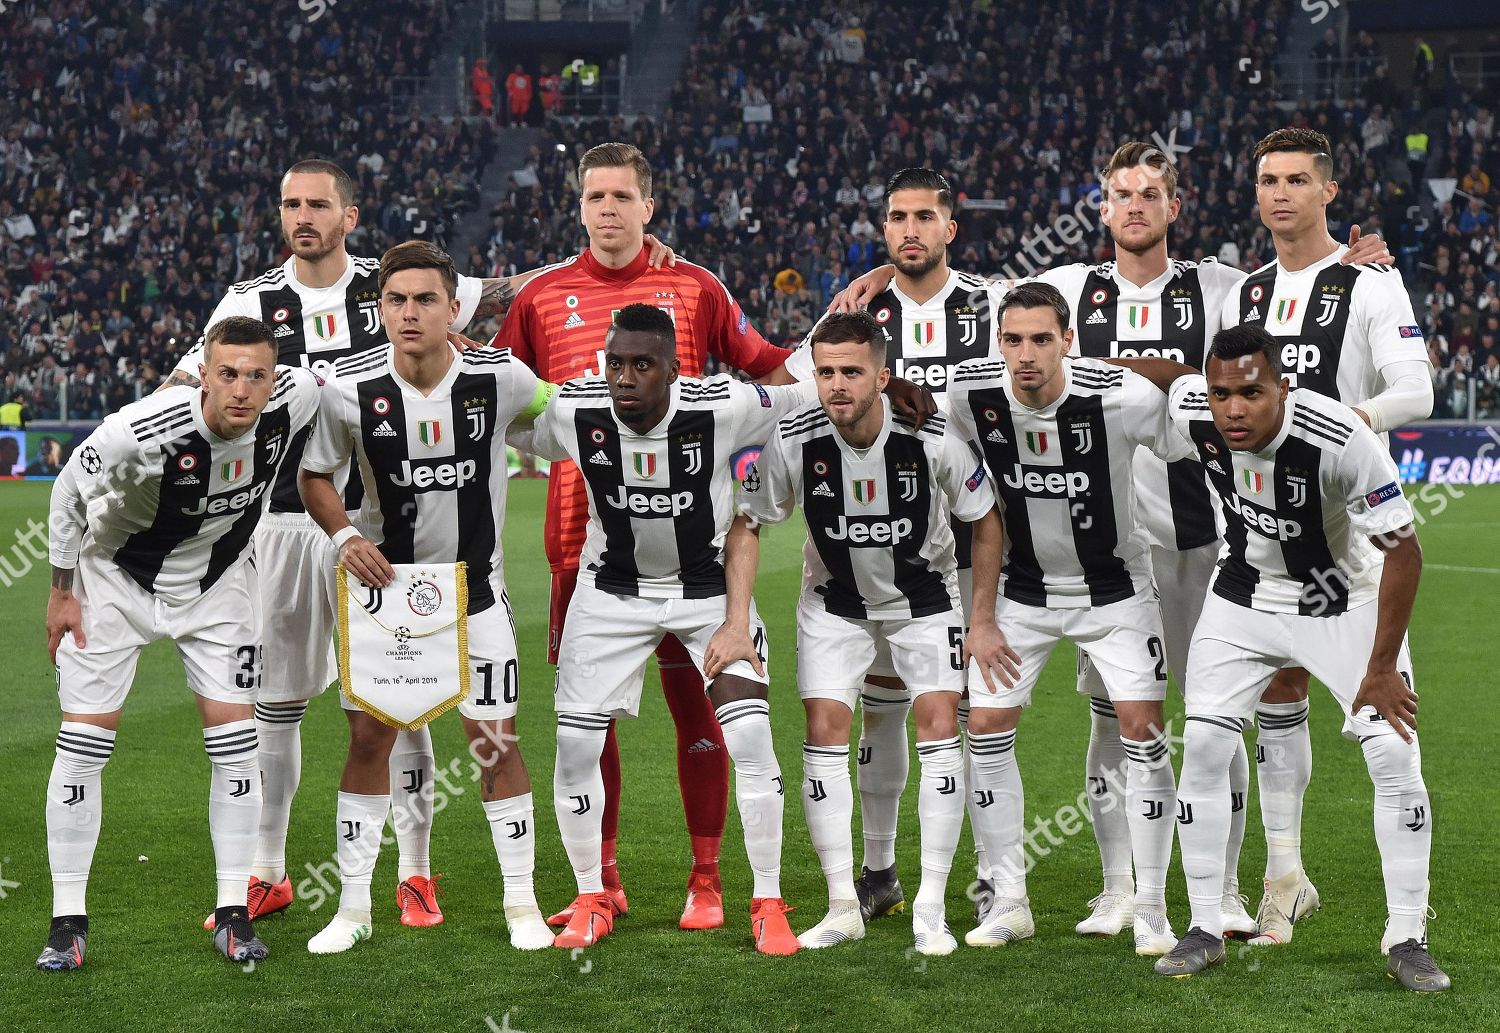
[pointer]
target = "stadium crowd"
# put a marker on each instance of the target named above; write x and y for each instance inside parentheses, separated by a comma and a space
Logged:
(139, 170)
(769, 161)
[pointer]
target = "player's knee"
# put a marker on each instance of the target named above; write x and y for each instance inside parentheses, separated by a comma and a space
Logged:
(1208, 748)
(1139, 722)
(1289, 685)
(989, 720)
(727, 688)
(828, 722)
(936, 715)
(1395, 766)
(370, 741)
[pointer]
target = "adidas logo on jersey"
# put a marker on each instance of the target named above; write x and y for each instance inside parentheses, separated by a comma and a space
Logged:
(1252, 315)
(600, 459)
(574, 321)
(282, 330)
(189, 479)
(1213, 464)
(823, 490)
(1096, 319)
(995, 436)
(384, 430)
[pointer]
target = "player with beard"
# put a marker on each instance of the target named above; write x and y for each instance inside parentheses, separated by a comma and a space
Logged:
(322, 305)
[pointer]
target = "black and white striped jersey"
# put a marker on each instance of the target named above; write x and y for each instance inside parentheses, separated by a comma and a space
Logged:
(1175, 316)
(1341, 324)
(879, 545)
(660, 502)
(1298, 515)
(1063, 474)
(313, 327)
(433, 465)
(925, 340)
(170, 502)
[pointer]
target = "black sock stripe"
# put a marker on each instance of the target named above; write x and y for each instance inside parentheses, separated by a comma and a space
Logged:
(1232, 724)
(825, 751)
(84, 741)
(79, 751)
(247, 729)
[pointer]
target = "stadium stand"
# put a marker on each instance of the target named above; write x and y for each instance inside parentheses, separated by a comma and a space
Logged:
(769, 160)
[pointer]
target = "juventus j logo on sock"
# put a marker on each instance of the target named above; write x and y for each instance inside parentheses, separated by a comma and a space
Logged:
(351, 830)
(1153, 810)
(583, 804)
(518, 829)
(817, 793)
(241, 788)
(414, 780)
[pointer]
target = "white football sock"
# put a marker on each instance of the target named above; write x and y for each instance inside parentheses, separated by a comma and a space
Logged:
(998, 810)
(1150, 804)
(1104, 772)
(1283, 754)
(940, 811)
(513, 829)
(1203, 814)
(828, 802)
(981, 850)
(758, 788)
(233, 805)
(1239, 795)
(279, 729)
(74, 811)
(1403, 832)
(884, 764)
(412, 770)
(360, 822)
(578, 795)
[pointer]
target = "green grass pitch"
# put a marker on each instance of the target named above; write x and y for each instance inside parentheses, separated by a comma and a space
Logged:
(151, 967)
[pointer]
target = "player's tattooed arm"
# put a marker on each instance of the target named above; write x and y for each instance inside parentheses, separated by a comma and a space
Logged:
(64, 612)
(497, 293)
(179, 378)
(1383, 687)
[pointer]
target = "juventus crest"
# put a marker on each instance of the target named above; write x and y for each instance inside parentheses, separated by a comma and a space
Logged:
(692, 457)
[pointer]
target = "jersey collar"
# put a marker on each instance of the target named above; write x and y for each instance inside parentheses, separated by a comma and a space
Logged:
(632, 269)
(937, 299)
(1151, 288)
(341, 285)
(443, 386)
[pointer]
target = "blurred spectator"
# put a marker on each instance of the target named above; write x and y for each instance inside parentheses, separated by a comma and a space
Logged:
(483, 87)
(518, 95)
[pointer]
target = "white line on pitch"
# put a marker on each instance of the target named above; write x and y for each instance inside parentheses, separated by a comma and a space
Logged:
(1462, 570)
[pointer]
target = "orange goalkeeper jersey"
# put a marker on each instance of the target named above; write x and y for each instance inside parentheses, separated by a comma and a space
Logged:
(557, 325)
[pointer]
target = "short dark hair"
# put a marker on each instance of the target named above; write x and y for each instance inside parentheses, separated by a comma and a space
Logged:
(1034, 294)
(1138, 153)
(648, 319)
(237, 330)
(1298, 141)
(616, 155)
(921, 179)
(419, 254)
(1236, 342)
(343, 185)
(845, 327)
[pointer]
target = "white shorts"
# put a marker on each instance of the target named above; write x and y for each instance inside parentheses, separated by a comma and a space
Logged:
(1182, 580)
(296, 561)
(218, 636)
(882, 667)
(1123, 641)
(834, 653)
(608, 638)
(1236, 651)
(494, 670)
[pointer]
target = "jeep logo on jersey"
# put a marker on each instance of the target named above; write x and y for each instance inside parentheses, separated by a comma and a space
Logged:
(872, 533)
(1054, 484)
(644, 502)
(217, 505)
(933, 374)
(692, 455)
(326, 325)
(430, 432)
(1175, 354)
(1259, 520)
(1301, 357)
(434, 474)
